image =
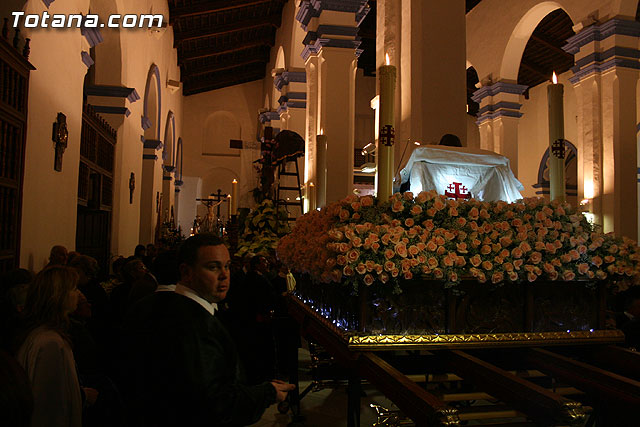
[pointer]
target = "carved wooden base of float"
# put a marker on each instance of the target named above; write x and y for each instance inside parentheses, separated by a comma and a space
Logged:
(492, 363)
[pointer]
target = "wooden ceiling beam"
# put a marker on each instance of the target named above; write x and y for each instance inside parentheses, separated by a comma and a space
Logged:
(551, 46)
(211, 6)
(536, 70)
(225, 48)
(213, 84)
(221, 66)
(241, 25)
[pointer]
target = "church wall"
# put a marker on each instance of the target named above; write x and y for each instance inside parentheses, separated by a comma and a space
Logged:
(240, 103)
(50, 198)
(533, 130)
(491, 23)
(473, 132)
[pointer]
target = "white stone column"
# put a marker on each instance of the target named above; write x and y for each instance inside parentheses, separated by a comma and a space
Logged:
(605, 78)
(332, 29)
(431, 41)
(498, 119)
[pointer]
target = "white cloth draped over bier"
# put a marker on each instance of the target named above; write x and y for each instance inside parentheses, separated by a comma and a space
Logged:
(484, 174)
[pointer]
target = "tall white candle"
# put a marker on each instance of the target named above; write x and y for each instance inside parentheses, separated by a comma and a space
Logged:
(320, 193)
(555, 95)
(234, 197)
(387, 75)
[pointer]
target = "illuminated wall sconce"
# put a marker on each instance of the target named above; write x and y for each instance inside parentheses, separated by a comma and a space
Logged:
(368, 167)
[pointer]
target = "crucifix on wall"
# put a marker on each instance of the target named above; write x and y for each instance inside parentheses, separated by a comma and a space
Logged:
(60, 138)
(132, 186)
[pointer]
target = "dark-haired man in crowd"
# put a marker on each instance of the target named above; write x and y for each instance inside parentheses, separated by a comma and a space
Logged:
(183, 363)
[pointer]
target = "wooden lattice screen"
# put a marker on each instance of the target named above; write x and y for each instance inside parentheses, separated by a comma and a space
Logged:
(14, 86)
(97, 149)
(95, 187)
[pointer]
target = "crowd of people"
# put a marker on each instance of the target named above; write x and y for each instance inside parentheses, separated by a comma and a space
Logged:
(170, 337)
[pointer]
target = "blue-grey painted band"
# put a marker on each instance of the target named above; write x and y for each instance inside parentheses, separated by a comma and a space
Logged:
(87, 59)
(106, 109)
(286, 77)
(282, 109)
(177, 190)
(178, 182)
(47, 2)
(93, 35)
(112, 91)
(502, 104)
(308, 50)
(638, 127)
(167, 177)
(603, 56)
(601, 32)
(599, 68)
(149, 157)
(313, 8)
(146, 123)
(169, 168)
(496, 88)
(268, 116)
(499, 113)
(152, 143)
(292, 96)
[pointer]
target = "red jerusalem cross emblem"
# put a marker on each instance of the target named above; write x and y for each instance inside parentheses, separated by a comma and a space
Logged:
(457, 191)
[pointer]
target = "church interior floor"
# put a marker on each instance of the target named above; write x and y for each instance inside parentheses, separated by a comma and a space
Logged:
(326, 407)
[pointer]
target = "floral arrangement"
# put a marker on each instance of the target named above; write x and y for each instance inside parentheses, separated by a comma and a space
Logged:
(362, 241)
(263, 227)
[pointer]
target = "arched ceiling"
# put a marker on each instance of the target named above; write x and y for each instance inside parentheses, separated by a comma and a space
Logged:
(222, 43)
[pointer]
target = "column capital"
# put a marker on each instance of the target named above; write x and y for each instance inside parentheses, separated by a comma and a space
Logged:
(313, 8)
(267, 116)
(612, 44)
(286, 77)
(499, 100)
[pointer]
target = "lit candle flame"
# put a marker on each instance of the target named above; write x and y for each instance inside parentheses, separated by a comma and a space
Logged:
(321, 131)
(386, 57)
(554, 78)
(311, 184)
(235, 181)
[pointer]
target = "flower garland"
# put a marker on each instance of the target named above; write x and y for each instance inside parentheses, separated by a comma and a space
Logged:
(360, 242)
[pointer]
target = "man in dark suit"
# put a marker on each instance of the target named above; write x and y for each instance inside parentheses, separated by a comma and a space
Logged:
(184, 368)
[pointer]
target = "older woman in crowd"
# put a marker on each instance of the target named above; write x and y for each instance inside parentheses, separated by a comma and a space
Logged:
(45, 352)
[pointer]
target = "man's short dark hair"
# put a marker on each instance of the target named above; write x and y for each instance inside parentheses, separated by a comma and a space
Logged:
(188, 252)
(165, 268)
(139, 250)
(450, 140)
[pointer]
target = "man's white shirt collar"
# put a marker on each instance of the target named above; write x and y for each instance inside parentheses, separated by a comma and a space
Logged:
(187, 292)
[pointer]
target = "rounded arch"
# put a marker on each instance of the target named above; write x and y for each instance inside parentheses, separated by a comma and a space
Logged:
(108, 53)
(571, 173)
(626, 7)
(168, 149)
(152, 91)
(179, 155)
(280, 59)
(520, 36)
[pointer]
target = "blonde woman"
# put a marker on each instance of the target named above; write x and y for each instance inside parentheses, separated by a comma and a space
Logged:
(45, 352)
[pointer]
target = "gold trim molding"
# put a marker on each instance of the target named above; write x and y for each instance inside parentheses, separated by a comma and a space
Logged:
(361, 342)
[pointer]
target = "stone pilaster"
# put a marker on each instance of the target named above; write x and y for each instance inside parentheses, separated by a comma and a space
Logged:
(605, 79)
(498, 119)
(330, 54)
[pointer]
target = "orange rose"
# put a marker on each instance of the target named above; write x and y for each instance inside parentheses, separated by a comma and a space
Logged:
(473, 213)
(583, 268)
(368, 279)
(497, 277)
(347, 270)
(508, 266)
(475, 260)
(485, 250)
(568, 275)
(535, 257)
(513, 276)
(597, 261)
(438, 274)
(366, 201)
(375, 246)
(487, 265)
(432, 262)
(361, 268)
(408, 275)
(397, 206)
(461, 247)
(389, 253)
